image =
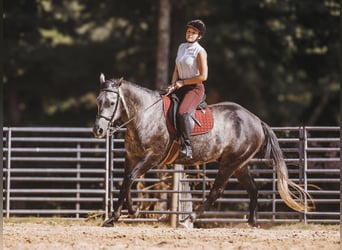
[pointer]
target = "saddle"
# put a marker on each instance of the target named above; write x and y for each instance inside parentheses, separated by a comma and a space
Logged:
(202, 116)
(203, 124)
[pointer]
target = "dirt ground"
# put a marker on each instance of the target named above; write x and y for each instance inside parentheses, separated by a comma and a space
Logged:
(60, 234)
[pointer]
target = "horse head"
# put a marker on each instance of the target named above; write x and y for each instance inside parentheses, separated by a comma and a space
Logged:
(108, 105)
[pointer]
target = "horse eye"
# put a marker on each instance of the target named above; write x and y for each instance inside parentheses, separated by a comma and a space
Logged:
(112, 103)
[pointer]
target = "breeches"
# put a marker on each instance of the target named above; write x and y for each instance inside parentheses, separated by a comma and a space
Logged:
(190, 97)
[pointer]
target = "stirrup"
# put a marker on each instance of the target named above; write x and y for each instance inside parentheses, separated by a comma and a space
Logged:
(185, 152)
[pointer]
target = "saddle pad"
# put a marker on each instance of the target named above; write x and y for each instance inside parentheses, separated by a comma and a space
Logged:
(205, 118)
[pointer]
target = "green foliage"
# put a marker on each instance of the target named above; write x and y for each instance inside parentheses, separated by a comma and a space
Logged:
(277, 58)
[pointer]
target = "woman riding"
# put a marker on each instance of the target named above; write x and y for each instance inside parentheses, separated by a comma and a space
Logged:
(191, 70)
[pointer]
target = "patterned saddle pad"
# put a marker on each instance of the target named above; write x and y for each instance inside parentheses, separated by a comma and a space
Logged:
(204, 117)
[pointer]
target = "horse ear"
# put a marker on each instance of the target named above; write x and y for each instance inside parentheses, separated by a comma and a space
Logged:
(102, 78)
(120, 81)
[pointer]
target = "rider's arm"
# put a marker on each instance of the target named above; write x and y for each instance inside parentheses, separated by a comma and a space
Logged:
(174, 75)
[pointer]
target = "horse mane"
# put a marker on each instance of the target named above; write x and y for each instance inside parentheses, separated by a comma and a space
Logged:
(140, 88)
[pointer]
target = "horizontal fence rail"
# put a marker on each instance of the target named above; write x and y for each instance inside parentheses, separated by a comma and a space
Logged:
(66, 172)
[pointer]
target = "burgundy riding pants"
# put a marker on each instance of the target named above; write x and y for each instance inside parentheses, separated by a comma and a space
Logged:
(190, 96)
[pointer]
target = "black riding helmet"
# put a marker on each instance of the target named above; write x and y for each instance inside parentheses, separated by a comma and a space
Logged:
(198, 25)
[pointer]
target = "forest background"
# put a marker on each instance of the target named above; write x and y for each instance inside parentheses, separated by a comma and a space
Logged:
(277, 58)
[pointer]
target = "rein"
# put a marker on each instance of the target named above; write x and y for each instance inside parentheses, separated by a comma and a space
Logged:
(112, 129)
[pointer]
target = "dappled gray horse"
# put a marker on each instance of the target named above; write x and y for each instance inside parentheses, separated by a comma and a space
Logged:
(236, 137)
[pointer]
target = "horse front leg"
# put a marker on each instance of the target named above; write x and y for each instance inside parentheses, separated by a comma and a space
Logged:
(125, 196)
(125, 188)
(149, 161)
(129, 204)
(125, 192)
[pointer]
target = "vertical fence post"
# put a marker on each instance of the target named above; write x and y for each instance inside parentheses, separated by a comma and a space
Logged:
(301, 154)
(301, 148)
(175, 196)
(111, 177)
(8, 184)
(274, 191)
(204, 168)
(274, 195)
(108, 152)
(184, 201)
(78, 175)
(305, 170)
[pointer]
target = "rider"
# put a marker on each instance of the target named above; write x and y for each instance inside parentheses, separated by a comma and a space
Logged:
(191, 70)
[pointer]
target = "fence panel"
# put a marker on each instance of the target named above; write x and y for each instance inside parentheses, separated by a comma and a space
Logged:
(53, 171)
(233, 205)
(322, 172)
(62, 171)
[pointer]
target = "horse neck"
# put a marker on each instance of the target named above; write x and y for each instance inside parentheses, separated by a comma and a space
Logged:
(138, 100)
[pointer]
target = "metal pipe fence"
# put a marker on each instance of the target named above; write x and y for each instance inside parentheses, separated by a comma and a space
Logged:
(66, 172)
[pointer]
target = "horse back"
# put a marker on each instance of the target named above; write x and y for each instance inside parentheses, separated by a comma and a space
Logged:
(236, 124)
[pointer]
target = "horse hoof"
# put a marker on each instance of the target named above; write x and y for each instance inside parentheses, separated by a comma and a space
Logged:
(137, 212)
(108, 223)
(185, 219)
(187, 225)
(134, 213)
(193, 217)
(253, 225)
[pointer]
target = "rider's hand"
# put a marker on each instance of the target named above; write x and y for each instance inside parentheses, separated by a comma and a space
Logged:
(170, 89)
(178, 84)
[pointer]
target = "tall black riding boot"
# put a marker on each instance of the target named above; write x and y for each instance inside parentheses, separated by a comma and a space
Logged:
(186, 125)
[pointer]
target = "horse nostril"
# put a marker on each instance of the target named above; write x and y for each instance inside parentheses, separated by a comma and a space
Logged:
(100, 131)
(97, 131)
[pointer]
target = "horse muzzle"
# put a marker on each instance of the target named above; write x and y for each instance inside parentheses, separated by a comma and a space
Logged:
(98, 132)
(100, 128)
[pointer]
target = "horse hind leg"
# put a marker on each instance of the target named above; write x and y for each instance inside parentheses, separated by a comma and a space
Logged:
(221, 180)
(229, 164)
(245, 178)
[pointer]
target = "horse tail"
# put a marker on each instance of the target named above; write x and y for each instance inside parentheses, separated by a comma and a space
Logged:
(294, 199)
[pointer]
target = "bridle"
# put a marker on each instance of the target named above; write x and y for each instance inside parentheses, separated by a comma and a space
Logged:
(110, 120)
(110, 128)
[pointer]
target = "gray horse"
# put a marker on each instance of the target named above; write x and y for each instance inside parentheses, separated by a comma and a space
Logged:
(236, 137)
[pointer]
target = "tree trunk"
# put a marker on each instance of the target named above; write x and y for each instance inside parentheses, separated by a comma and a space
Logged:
(163, 44)
(319, 108)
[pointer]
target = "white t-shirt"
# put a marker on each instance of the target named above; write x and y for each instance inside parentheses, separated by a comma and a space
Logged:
(186, 60)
